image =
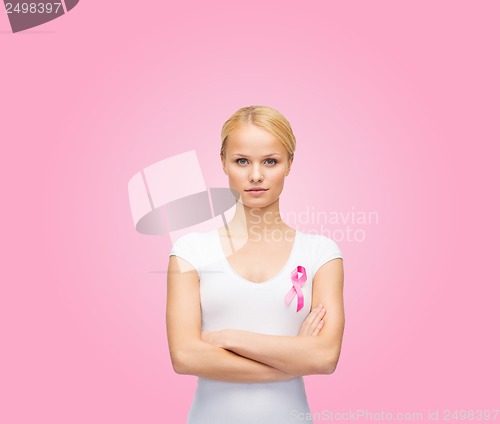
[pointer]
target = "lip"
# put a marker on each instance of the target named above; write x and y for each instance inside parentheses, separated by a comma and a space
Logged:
(258, 189)
(254, 192)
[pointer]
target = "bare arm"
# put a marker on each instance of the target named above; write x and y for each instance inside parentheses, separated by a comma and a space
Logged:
(188, 352)
(292, 354)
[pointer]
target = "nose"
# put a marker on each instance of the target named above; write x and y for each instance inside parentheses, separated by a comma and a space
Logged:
(256, 174)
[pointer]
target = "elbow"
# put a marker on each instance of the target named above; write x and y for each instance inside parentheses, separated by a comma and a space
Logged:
(328, 363)
(178, 368)
(186, 359)
(329, 367)
(180, 364)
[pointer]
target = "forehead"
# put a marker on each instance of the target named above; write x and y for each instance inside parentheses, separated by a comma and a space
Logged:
(250, 139)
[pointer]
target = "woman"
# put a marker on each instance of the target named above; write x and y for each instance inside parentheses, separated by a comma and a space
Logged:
(247, 303)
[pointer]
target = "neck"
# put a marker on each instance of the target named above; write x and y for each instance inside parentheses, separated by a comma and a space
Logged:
(249, 222)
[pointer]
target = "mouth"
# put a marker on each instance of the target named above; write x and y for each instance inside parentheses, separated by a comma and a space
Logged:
(258, 190)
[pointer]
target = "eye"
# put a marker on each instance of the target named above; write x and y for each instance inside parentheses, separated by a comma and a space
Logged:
(273, 161)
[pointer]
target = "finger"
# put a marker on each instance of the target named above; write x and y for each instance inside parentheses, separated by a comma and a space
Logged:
(317, 319)
(318, 328)
(306, 326)
(314, 313)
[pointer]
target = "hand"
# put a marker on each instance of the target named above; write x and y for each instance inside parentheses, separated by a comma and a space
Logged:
(313, 323)
(216, 338)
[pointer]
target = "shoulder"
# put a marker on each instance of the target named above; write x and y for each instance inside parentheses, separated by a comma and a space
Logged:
(319, 241)
(186, 238)
(197, 247)
(186, 247)
(321, 249)
(186, 244)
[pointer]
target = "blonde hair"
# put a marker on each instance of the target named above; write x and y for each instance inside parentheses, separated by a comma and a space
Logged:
(264, 117)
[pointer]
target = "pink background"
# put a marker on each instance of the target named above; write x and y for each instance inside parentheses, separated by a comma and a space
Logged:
(395, 109)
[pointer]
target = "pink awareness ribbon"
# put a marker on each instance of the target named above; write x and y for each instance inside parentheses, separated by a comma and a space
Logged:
(296, 289)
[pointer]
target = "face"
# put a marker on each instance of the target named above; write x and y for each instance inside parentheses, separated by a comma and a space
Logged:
(255, 158)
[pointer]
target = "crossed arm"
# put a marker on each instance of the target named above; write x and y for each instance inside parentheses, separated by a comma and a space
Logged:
(242, 356)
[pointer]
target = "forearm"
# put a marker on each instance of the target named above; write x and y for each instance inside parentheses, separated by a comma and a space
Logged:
(297, 355)
(205, 360)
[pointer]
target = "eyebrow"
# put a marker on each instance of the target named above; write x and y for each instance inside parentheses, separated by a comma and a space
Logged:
(264, 156)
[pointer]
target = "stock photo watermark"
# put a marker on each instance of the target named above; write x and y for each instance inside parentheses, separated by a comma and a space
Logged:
(24, 15)
(427, 415)
(341, 226)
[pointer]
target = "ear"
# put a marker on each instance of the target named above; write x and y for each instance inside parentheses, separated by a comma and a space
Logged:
(223, 164)
(289, 166)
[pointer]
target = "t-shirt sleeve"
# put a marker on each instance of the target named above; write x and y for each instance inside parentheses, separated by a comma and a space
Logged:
(186, 247)
(327, 250)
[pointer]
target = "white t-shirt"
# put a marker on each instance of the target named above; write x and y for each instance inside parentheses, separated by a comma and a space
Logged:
(230, 301)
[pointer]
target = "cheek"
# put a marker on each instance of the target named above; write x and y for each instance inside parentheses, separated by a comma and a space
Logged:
(236, 175)
(278, 175)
